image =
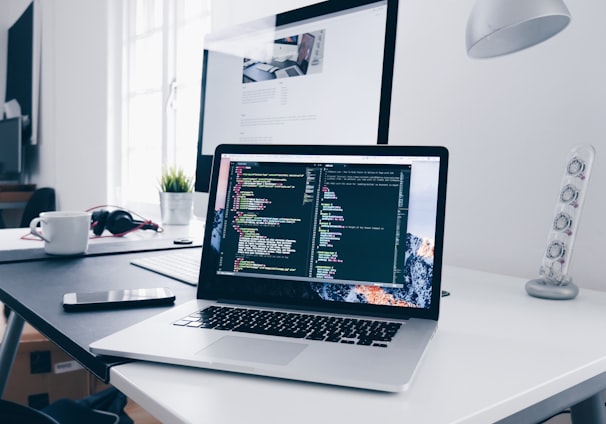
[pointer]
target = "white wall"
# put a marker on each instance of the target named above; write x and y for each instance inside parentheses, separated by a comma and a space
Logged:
(231, 12)
(509, 122)
(72, 150)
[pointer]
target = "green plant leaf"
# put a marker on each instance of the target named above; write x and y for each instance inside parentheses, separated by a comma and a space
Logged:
(174, 180)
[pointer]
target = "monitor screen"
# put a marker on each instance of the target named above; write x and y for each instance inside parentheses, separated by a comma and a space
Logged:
(321, 74)
(10, 149)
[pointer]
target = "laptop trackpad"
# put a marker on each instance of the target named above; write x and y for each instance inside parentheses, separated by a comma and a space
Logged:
(253, 350)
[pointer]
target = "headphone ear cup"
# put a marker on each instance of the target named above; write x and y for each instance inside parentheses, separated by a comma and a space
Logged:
(98, 221)
(120, 221)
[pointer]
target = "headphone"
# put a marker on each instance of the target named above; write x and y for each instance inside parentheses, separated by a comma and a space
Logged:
(118, 222)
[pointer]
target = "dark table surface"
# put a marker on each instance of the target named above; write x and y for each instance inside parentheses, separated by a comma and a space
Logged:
(34, 290)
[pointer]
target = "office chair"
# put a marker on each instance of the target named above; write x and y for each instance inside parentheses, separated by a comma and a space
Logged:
(15, 413)
(43, 200)
(63, 411)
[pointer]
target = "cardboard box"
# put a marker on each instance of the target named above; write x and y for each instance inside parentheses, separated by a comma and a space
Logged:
(42, 373)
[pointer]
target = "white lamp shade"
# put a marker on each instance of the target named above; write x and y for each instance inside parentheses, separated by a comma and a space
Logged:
(499, 27)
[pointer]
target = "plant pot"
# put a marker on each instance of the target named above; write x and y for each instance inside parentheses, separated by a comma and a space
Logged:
(176, 208)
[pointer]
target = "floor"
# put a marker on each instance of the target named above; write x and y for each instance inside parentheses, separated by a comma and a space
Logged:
(138, 414)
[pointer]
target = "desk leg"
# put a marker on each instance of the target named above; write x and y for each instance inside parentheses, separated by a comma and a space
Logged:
(8, 348)
(589, 411)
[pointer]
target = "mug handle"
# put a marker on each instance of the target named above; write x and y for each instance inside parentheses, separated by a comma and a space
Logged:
(33, 228)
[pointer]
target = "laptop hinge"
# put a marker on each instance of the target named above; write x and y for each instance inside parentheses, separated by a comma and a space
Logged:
(307, 308)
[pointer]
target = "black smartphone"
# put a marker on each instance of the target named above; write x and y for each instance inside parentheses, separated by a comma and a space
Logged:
(124, 298)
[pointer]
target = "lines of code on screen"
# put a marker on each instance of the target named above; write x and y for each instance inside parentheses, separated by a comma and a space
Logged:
(316, 222)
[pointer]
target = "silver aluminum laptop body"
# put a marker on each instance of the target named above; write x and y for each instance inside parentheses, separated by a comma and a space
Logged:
(342, 231)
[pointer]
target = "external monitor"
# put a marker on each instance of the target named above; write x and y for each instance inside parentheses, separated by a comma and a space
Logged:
(10, 149)
(321, 74)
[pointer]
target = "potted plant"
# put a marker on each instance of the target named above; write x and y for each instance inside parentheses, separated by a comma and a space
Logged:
(176, 196)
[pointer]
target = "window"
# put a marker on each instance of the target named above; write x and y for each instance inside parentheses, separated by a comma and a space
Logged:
(162, 48)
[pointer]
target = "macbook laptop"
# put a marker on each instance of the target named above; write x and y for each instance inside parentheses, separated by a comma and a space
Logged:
(319, 264)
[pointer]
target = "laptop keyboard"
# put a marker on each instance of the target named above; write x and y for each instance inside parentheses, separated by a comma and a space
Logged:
(183, 265)
(300, 326)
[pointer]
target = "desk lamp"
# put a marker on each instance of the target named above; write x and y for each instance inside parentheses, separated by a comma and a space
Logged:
(500, 27)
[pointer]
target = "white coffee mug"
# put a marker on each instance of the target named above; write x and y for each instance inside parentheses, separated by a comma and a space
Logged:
(63, 232)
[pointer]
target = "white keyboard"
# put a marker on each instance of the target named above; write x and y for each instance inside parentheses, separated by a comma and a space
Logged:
(182, 265)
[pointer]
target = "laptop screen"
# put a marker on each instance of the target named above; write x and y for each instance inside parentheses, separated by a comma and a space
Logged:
(351, 228)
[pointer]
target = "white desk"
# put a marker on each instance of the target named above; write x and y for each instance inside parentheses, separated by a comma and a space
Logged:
(11, 238)
(497, 353)
(13, 248)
